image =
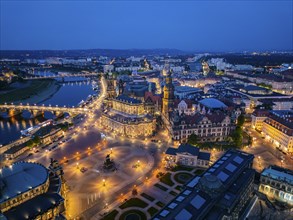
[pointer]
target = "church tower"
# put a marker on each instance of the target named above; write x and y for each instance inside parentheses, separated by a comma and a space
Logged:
(168, 99)
(111, 86)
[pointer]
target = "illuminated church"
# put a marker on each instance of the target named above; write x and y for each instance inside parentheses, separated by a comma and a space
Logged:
(125, 115)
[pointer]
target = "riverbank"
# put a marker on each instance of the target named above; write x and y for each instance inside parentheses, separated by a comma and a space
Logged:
(36, 91)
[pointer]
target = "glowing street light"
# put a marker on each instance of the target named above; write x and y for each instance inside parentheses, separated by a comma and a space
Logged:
(104, 182)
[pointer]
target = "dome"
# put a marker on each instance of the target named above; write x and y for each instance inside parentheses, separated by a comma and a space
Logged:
(211, 184)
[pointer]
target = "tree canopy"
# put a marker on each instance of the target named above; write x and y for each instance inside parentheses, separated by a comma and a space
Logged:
(193, 139)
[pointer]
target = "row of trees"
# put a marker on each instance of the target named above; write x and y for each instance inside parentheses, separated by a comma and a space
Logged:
(237, 134)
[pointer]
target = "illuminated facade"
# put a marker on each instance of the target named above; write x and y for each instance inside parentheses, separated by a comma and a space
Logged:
(128, 105)
(187, 155)
(277, 183)
(207, 127)
(278, 128)
(128, 117)
(257, 119)
(168, 99)
(31, 191)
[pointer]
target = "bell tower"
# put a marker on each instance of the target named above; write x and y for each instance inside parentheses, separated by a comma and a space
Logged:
(111, 85)
(168, 99)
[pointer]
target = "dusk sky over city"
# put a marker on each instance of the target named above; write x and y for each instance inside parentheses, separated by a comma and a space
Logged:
(146, 110)
(185, 25)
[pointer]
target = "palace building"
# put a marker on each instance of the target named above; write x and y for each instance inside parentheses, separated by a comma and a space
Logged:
(187, 155)
(32, 191)
(182, 118)
(277, 182)
(278, 128)
(209, 127)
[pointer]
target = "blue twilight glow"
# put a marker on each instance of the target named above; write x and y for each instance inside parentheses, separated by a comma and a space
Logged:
(187, 25)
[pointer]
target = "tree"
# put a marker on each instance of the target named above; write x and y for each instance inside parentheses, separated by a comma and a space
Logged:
(193, 139)
(36, 140)
(237, 136)
(240, 120)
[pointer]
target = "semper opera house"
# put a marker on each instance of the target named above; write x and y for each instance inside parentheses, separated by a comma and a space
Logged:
(32, 191)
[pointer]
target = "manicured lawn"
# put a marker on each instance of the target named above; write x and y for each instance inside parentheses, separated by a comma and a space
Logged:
(111, 215)
(182, 177)
(173, 193)
(160, 204)
(167, 179)
(179, 167)
(198, 172)
(161, 187)
(152, 211)
(148, 197)
(135, 212)
(133, 202)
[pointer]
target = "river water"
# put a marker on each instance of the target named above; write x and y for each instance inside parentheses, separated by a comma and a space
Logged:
(71, 92)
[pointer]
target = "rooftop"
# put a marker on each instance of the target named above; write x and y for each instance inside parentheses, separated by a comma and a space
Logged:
(21, 177)
(209, 196)
(187, 148)
(212, 103)
(127, 99)
(186, 89)
(34, 207)
(279, 173)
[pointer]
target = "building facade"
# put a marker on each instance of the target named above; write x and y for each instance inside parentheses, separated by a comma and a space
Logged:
(278, 128)
(207, 127)
(257, 119)
(31, 191)
(221, 192)
(128, 117)
(187, 155)
(277, 183)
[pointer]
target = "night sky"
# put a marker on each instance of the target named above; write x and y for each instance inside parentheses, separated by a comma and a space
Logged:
(186, 25)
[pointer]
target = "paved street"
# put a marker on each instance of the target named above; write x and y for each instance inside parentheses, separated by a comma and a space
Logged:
(266, 153)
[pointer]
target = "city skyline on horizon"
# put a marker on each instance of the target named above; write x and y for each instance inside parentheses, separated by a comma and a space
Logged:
(187, 26)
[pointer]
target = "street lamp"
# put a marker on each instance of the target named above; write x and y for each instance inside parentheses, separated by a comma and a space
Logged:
(104, 182)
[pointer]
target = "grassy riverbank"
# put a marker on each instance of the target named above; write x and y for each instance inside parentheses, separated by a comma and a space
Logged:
(33, 89)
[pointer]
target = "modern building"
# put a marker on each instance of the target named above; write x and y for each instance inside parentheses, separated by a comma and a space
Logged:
(278, 128)
(277, 183)
(256, 90)
(278, 104)
(221, 192)
(187, 155)
(186, 91)
(31, 191)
